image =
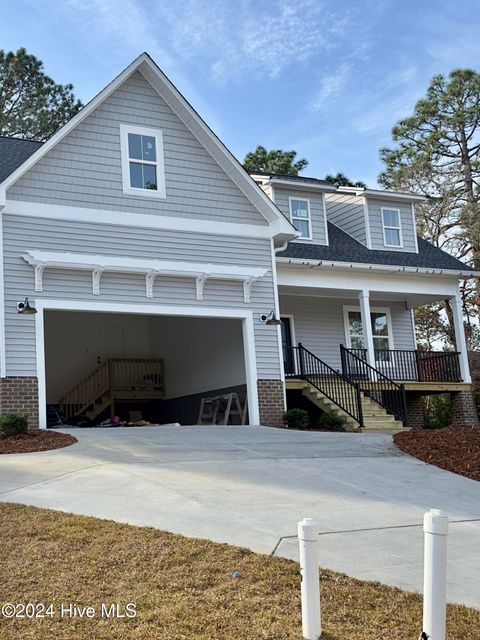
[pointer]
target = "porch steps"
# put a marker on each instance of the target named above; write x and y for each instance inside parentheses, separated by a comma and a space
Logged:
(375, 417)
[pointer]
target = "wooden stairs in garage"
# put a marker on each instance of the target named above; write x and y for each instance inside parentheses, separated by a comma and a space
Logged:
(115, 379)
(375, 416)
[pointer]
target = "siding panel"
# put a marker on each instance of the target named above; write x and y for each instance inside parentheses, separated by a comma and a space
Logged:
(84, 169)
(376, 226)
(22, 233)
(347, 212)
(281, 198)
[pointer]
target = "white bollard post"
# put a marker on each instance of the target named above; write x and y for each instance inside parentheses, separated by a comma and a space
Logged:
(435, 528)
(308, 531)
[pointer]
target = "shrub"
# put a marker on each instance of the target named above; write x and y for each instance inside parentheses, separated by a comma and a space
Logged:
(296, 418)
(11, 424)
(329, 420)
(437, 411)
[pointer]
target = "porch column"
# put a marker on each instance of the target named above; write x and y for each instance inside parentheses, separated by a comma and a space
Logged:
(364, 298)
(461, 343)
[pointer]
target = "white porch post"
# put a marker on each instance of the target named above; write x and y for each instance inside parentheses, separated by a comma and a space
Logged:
(364, 298)
(461, 343)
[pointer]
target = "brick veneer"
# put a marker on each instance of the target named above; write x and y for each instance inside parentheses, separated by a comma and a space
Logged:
(271, 402)
(415, 410)
(19, 394)
(464, 411)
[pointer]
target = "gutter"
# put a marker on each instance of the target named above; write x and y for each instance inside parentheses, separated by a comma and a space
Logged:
(392, 269)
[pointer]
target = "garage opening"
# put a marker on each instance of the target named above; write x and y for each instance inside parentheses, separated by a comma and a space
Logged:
(142, 368)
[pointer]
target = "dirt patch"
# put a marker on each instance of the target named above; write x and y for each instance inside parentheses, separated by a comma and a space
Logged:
(455, 449)
(183, 588)
(35, 440)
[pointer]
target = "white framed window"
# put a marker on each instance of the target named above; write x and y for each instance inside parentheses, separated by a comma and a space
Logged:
(143, 171)
(381, 323)
(300, 217)
(392, 228)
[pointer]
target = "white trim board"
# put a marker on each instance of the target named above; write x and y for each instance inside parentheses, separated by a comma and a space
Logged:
(190, 118)
(138, 220)
(110, 307)
(3, 368)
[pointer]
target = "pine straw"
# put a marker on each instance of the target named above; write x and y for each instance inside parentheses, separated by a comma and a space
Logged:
(455, 449)
(35, 440)
(184, 587)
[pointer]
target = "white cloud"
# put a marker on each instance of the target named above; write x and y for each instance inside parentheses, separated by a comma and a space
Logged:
(331, 85)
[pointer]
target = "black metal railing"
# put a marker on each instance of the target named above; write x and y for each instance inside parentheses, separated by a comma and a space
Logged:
(345, 393)
(415, 365)
(375, 384)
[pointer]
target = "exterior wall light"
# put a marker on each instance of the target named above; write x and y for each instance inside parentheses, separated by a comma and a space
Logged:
(270, 319)
(25, 308)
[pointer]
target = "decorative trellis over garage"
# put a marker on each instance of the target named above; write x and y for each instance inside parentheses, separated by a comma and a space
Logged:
(99, 264)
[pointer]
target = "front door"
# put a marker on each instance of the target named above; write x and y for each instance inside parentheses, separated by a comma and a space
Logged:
(287, 344)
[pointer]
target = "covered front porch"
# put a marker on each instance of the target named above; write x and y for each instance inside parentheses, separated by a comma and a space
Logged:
(352, 335)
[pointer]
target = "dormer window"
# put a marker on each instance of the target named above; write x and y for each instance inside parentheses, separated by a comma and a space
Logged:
(142, 161)
(392, 230)
(300, 217)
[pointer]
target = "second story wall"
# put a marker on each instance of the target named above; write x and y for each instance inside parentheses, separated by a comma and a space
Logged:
(347, 211)
(318, 230)
(85, 168)
(407, 224)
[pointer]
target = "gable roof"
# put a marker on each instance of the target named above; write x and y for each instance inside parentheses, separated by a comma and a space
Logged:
(281, 227)
(342, 248)
(13, 152)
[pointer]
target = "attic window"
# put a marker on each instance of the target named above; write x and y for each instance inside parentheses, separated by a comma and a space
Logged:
(392, 230)
(142, 161)
(300, 217)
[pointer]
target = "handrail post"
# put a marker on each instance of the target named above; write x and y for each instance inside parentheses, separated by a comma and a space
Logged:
(301, 358)
(359, 406)
(418, 361)
(404, 405)
(343, 359)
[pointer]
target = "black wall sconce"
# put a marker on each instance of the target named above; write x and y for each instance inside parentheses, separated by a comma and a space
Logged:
(270, 319)
(25, 308)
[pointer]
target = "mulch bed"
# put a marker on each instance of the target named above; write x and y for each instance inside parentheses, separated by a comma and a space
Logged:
(455, 449)
(35, 440)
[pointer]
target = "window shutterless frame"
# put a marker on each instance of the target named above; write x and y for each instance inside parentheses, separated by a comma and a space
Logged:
(158, 162)
(307, 218)
(391, 227)
(381, 310)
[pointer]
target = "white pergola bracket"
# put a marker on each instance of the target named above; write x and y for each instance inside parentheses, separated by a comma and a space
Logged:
(247, 288)
(200, 281)
(149, 281)
(96, 275)
(39, 269)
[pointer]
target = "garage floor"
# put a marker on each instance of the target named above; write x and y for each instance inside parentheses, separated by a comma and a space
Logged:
(250, 485)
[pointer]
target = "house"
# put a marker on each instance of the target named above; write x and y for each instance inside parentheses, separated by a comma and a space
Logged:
(142, 269)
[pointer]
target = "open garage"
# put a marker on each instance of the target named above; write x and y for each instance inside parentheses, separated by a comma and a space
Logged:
(144, 367)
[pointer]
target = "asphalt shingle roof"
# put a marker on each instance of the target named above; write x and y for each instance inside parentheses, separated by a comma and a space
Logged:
(13, 152)
(344, 248)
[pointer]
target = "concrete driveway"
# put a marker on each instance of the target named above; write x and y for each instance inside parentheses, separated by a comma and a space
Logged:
(250, 485)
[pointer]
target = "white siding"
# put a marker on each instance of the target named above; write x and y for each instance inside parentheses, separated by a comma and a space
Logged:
(319, 325)
(84, 169)
(22, 233)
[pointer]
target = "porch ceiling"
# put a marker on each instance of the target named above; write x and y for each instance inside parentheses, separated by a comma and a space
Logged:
(411, 300)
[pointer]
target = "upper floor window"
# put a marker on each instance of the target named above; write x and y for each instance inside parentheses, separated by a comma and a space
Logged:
(392, 230)
(142, 161)
(300, 217)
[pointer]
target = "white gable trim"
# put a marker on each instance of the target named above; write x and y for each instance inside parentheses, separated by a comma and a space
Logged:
(139, 220)
(99, 264)
(145, 65)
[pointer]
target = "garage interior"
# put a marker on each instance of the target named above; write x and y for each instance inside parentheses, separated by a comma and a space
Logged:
(141, 367)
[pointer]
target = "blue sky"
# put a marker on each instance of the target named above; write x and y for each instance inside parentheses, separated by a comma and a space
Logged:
(327, 78)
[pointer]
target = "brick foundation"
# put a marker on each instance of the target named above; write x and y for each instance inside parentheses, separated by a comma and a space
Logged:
(415, 410)
(271, 402)
(19, 394)
(464, 411)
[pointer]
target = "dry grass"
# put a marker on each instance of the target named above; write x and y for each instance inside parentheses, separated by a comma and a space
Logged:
(183, 587)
